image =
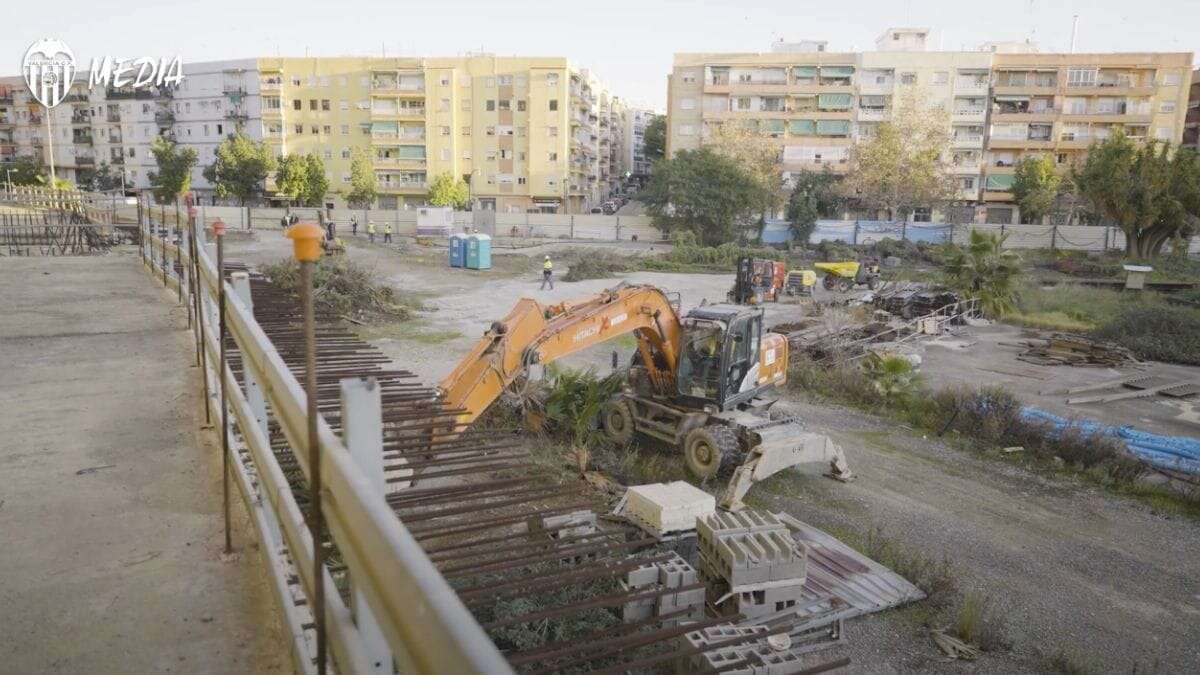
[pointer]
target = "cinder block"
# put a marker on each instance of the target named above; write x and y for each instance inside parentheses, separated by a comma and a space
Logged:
(661, 508)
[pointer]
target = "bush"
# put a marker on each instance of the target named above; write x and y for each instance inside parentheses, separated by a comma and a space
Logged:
(687, 254)
(1156, 332)
(344, 288)
(834, 251)
(596, 264)
(978, 623)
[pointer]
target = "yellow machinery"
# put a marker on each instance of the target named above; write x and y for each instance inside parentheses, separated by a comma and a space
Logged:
(700, 382)
(847, 274)
(799, 283)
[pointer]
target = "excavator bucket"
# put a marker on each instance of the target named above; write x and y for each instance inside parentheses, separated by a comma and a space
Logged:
(782, 447)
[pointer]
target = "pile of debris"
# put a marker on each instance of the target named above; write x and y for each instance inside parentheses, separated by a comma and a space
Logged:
(1064, 349)
(913, 302)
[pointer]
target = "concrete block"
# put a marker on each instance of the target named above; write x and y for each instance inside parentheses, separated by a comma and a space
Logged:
(661, 508)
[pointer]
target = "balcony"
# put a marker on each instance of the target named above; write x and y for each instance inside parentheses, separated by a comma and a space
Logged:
(142, 93)
(82, 139)
(271, 85)
(113, 117)
(237, 115)
(967, 141)
(85, 161)
(272, 113)
(872, 114)
(164, 117)
(876, 88)
(82, 117)
(971, 85)
(969, 115)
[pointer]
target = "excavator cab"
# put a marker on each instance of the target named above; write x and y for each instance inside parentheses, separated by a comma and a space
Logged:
(719, 355)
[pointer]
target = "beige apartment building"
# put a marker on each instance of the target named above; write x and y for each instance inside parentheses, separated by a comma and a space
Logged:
(1003, 102)
(525, 133)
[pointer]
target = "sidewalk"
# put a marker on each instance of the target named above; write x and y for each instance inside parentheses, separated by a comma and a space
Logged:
(110, 509)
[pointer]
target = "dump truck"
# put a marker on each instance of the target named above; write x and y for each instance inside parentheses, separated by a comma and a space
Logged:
(704, 382)
(845, 275)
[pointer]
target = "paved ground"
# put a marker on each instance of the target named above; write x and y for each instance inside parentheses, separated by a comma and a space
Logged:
(110, 524)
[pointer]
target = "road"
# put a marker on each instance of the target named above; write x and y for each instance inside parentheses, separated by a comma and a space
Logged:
(110, 513)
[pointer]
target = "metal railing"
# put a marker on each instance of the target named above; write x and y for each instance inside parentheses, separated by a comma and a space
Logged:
(402, 609)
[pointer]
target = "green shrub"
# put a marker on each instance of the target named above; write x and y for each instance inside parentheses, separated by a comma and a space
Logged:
(894, 377)
(977, 622)
(1156, 332)
(687, 254)
(574, 399)
(596, 264)
(344, 288)
(835, 251)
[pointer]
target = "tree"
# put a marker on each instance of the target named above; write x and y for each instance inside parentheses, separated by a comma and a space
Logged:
(814, 195)
(900, 167)
(703, 192)
(654, 138)
(983, 270)
(448, 190)
(1035, 187)
(240, 168)
(757, 154)
(301, 178)
(23, 170)
(363, 184)
(1150, 193)
(174, 175)
(103, 179)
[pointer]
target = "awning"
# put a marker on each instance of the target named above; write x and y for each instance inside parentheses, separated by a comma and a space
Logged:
(837, 71)
(1013, 99)
(802, 127)
(836, 101)
(412, 152)
(384, 127)
(833, 127)
(1001, 182)
(804, 71)
(773, 126)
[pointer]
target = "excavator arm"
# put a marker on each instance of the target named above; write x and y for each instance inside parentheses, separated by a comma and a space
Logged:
(533, 333)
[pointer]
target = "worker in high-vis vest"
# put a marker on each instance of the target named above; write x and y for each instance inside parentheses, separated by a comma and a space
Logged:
(371, 230)
(547, 274)
(387, 233)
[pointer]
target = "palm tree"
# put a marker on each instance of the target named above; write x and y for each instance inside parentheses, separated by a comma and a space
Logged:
(983, 270)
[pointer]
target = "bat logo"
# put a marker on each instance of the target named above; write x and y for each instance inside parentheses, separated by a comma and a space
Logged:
(49, 67)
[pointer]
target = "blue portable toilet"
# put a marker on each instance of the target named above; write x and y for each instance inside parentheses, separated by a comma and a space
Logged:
(479, 252)
(458, 250)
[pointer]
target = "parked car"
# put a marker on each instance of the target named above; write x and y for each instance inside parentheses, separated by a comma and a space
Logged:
(597, 209)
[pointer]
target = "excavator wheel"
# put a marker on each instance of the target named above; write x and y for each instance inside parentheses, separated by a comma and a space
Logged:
(710, 450)
(829, 282)
(617, 421)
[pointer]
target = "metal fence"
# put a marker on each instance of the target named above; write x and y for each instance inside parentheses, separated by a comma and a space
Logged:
(402, 608)
(1065, 237)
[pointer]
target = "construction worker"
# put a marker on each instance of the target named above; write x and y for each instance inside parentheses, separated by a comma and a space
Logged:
(371, 230)
(387, 233)
(354, 225)
(547, 274)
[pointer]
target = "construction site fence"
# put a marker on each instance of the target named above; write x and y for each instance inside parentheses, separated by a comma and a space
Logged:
(1064, 237)
(402, 610)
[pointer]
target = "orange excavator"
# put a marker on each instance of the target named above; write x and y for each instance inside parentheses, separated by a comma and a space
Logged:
(702, 383)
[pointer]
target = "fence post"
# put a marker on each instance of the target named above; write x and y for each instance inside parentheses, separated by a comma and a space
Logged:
(1106, 238)
(1053, 237)
(572, 225)
(618, 235)
(854, 239)
(362, 432)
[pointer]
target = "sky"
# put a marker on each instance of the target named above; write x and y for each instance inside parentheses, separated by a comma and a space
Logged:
(628, 44)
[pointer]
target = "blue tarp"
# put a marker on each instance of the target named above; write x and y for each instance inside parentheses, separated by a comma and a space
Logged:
(776, 231)
(1178, 453)
(871, 231)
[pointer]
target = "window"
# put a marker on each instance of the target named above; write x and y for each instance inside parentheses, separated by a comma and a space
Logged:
(491, 82)
(344, 129)
(205, 129)
(327, 130)
(552, 157)
(444, 81)
(344, 105)
(312, 104)
(520, 81)
(345, 153)
(1162, 133)
(345, 178)
(1171, 79)
(552, 132)
(967, 183)
(689, 103)
(922, 214)
(1167, 107)
(466, 154)
(506, 154)
(324, 81)
(689, 78)
(1081, 77)
(328, 154)
(908, 78)
(941, 77)
(551, 79)
(520, 132)
(297, 104)
(489, 131)
(444, 105)
(521, 156)
(364, 105)
(466, 131)
(521, 105)
(444, 131)
(741, 103)
(505, 104)
(445, 154)
(325, 104)
(505, 80)
(466, 105)
(299, 128)
(220, 130)
(520, 180)
(295, 81)
(553, 104)
(490, 105)
(316, 129)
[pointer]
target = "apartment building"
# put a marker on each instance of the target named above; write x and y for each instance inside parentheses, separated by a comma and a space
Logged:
(525, 133)
(1003, 102)
(1191, 127)
(634, 148)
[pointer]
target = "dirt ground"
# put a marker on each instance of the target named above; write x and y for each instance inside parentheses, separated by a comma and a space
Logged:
(110, 506)
(1070, 568)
